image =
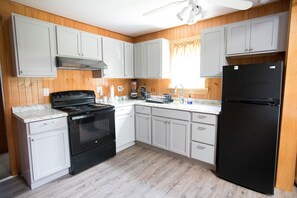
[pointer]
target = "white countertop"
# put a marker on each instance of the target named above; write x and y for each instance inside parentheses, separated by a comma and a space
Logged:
(202, 106)
(36, 113)
(43, 112)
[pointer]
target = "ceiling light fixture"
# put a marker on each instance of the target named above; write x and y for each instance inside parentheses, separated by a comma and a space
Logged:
(190, 13)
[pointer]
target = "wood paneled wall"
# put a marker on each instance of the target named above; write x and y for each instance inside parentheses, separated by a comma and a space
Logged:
(29, 91)
(288, 135)
(214, 85)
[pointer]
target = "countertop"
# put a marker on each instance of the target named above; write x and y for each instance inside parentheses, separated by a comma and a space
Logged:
(43, 112)
(202, 106)
(36, 113)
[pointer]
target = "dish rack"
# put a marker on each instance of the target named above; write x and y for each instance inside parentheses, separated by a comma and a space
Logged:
(159, 99)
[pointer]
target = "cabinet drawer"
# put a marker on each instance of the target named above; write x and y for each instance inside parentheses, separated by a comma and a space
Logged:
(175, 114)
(203, 133)
(143, 109)
(123, 110)
(203, 152)
(47, 125)
(204, 118)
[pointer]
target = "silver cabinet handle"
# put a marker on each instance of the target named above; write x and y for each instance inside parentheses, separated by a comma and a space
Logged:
(251, 49)
(32, 140)
(200, 147)
(45, 123)
(201, 128)
(246, 50)
(82, 54)
(147, 118)
(201, 117)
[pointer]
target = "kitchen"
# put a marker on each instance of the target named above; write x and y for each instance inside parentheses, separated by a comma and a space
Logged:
(29, 91)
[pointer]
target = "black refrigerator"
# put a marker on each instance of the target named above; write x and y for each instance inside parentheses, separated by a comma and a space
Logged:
(247, 142)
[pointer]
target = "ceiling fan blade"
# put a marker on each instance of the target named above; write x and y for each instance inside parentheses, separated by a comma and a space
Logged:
(235, 4)
(163, 7)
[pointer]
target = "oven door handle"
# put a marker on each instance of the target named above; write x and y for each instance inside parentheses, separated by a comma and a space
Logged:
(81, 117)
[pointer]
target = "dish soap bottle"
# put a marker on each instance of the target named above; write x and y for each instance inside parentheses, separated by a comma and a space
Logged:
(189, 101)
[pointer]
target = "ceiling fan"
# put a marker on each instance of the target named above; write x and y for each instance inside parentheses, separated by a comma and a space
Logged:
(193, 11)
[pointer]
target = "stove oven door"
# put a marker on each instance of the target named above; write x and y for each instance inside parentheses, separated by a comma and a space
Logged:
(90, 130)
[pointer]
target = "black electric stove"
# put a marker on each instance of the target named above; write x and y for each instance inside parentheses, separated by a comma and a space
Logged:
(91, 128)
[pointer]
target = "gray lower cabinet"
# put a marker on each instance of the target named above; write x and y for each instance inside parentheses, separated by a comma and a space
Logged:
(44, 150)
(169, 133)
(124, 125)
(203, 139)
(143, 124)
(183, 132)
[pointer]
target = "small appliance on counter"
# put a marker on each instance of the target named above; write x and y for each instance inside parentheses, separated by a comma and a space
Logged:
(144, 94)
(133, 94)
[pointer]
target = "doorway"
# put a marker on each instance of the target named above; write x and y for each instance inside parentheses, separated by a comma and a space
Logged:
(4, 155)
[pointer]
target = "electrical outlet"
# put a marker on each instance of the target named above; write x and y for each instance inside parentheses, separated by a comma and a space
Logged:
(45, 91)
(100, 90)
(120, 88)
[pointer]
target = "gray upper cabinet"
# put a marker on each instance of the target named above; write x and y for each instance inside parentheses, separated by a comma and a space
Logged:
(256, 36)
(238, 37)
(140, 60)
(119, 57)
(212, 52)
(34, 46)
(129, 60)
(113, 56)
(91, 46)
(77, 44)
(158, 58)
(152, 59)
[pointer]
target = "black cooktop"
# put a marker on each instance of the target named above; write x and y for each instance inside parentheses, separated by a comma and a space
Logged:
(77, 102)
(74, 110)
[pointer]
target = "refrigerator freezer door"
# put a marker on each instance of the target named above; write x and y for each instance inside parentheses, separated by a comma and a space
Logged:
(247, 145)
(258, 81)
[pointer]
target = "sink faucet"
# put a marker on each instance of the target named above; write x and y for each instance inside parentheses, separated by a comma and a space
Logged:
(181, 93)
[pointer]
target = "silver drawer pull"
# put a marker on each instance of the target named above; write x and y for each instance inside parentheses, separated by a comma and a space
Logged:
(201, 128)
(200, 147)
(45, 123)
(201, 117)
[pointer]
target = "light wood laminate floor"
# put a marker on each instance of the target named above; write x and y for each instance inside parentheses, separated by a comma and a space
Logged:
(137, 172)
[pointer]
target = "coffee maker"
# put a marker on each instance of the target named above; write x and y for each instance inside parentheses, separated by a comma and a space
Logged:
(133, 94)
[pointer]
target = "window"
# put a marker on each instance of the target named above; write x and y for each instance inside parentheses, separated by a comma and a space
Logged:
(185, 65)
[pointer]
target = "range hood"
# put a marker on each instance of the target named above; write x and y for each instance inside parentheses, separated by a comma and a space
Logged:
(79, 64)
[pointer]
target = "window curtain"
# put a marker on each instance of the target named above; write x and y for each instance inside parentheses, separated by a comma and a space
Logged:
(185, 64)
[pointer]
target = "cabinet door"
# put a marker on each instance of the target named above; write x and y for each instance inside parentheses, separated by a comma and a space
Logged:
(179, 137)
(113, 56)
(124, 129)
(238, 38)
(143, 128)
(264, 34)
(68, 42)
(50, 153)
(129, 60)
(154, 59)
(140, 60)
(212, 52)
(35, 48)
(91, 46)
(160, 128)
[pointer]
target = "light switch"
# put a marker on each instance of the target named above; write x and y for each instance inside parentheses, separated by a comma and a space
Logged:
(45, 91)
